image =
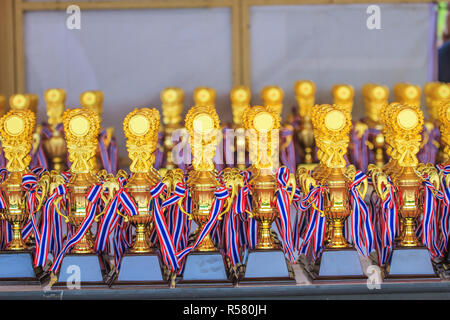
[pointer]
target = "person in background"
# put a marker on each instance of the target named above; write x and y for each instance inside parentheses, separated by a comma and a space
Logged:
(444, 52)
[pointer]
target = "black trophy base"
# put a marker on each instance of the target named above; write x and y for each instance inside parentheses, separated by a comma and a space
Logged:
(267, 267)
(16, 268)
(82, 270)
(339, 264)
(142, 269)
(205, 269)
(411, 263)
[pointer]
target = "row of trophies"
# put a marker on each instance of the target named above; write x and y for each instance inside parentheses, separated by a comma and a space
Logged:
(344, 192)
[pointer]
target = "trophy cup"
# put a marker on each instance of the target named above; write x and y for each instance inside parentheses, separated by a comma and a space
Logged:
(339, 258)
(402, 125)
(266, 262)
(204, 96)
(54, 144)
(436, 93)
(172, 108)
(16, 129)
(81, 128)
(240, 100)
(204, 264)
(305, 93)
(141, 264)
(343, 95)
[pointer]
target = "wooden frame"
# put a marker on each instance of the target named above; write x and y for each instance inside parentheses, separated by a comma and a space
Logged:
(12, 55)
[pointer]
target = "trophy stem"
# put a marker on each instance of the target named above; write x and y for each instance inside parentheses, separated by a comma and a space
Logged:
(207, 245)
(84, 246)
(58, 164)
(265, 238)
(141, 244)
(17, 243)
(409, 238)
(337, 240)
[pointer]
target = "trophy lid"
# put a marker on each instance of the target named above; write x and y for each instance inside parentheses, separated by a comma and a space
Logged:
(55, 95)
(92, 100)
(343, 92)
(19, 102)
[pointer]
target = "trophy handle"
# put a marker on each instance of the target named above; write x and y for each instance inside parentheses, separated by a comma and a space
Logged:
(44, 186)
(180, 206)
(125, 218)
(365, 187)
(250, 214)
(56, 203)
(291, 182)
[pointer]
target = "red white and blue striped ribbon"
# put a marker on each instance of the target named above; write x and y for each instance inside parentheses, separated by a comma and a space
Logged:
(51, 228)
(388, 226)
(444, 207)
(362, 229)
(29, 185)
(165, 238)
(121, 200)
(221, 194)
(93, 197)
(232, 237)
(429, 225)
(284, 210)
(317, 223)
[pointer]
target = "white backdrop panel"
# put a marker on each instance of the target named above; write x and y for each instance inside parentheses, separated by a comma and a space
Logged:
(129, 54)
(332, 44)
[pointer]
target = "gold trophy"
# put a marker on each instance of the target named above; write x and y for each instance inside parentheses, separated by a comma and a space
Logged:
(407, 93)
(16, 130)
(402, 126)
(172, 108)
(81, 128)
(436, 93)
(375, 97)
(204, 96)
(266, 260)
(240, 100)
(93, 100)
(272, 97)
(332, 125)
(55, 146)
(305, 94)
(141, 262)
(202, 123)
(343, 95)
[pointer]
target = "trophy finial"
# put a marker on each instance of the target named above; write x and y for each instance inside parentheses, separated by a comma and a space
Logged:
(204, 96)
(172, 105)
(16, 129)
(203, 124)
(81, 128)
(305, 91)
(92, 100)
(402, 126)
(332, 125)
(55, 99)
(272, 97)
(240, 99)
(343, 95)
(141, 130)
(260, 123)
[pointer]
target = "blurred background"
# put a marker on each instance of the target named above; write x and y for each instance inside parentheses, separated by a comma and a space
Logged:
(131, 50)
